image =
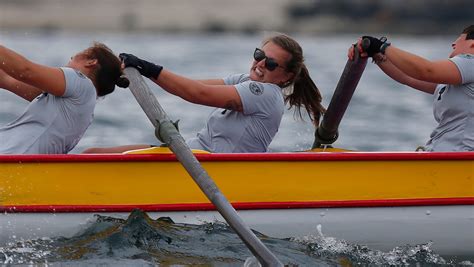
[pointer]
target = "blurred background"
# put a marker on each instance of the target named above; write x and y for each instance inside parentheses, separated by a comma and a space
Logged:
(216, 38)
(304, 16)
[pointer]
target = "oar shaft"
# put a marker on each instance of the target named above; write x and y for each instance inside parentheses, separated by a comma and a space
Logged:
(210, 189)
(327, 132)
(167, 133)
(343, 94)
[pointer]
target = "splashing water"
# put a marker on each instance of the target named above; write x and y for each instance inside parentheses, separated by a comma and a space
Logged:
(154, 242)
(139, 240)
(359, 255)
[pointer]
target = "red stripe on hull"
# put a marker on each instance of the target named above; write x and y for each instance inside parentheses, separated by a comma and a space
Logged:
(238, 206)
(298, 156)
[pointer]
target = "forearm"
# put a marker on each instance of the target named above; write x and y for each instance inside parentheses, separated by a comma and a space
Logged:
(188, 89)
(43, 78)
(14, 64)
(205, 92)
(410, 64)
(388, 68)
(21, 89)
(396, 74)
(212, 81)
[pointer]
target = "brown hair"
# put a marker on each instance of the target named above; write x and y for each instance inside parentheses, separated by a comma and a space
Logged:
(109, 72)
(305, 92)
(469, 31)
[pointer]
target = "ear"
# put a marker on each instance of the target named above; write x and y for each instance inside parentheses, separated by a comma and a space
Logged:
(90, 63)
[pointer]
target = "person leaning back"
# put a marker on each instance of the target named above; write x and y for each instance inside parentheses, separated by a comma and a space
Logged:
(451, 81)
(62, 100)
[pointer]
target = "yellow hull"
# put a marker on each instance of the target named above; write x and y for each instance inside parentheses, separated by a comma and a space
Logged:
(294, 179)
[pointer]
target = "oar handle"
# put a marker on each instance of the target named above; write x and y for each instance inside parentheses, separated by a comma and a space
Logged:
(168, 133)
(327, 132)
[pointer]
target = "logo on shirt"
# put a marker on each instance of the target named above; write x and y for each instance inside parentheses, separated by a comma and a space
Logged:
(468, 56)
(256, 88)
(80, 74)
(41, 95)
(441, 91)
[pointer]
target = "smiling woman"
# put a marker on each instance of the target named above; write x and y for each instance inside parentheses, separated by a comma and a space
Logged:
(62, 99)
(249, 106)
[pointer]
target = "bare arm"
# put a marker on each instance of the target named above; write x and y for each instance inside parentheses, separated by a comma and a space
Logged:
(43, 78)
(213, 81)
(439, 72)
(393, 72)
(208, 92)
(21, 89)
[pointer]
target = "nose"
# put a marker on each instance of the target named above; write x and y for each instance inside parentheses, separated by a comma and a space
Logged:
(261, 63)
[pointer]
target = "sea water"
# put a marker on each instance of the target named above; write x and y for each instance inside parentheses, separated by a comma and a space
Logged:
(140, 240)
(382, 116)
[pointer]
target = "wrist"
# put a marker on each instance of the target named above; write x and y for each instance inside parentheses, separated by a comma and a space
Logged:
(379, 58)
(384, 46)
(149, 69)
(155, 71)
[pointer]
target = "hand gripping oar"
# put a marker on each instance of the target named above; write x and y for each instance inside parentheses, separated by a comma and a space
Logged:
(327, 132)
(167, 133)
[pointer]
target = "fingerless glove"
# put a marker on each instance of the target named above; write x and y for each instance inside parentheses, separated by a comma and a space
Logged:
(147, 69)
(376, 45)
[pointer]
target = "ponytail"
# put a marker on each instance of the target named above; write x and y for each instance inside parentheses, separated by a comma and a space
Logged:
(306, 94)
(109, 72)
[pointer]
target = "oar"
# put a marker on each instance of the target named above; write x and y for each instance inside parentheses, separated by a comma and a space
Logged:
(327, 132)
(166, 131)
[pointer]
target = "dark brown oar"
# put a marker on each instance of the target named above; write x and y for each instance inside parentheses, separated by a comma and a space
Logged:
(166, 131)
(327, 132)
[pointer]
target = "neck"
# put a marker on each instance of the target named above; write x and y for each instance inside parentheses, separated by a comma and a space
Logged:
(88, 73)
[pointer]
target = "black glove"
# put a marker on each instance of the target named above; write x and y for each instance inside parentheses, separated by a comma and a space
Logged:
(145, 68)
(375, 45)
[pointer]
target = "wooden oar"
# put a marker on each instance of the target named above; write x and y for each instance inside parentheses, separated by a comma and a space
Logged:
(327, 132)
(166, 131)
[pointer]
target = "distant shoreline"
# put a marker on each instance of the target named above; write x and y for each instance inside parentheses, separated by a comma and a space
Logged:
(426, 17)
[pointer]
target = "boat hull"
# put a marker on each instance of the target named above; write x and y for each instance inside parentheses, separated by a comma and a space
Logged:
(382, 200)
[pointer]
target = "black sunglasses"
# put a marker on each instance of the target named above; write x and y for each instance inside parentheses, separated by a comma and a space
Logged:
(270, 63)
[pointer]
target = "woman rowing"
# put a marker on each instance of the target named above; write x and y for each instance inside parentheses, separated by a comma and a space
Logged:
(451, 81)
(62, 99)
(249, 106)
